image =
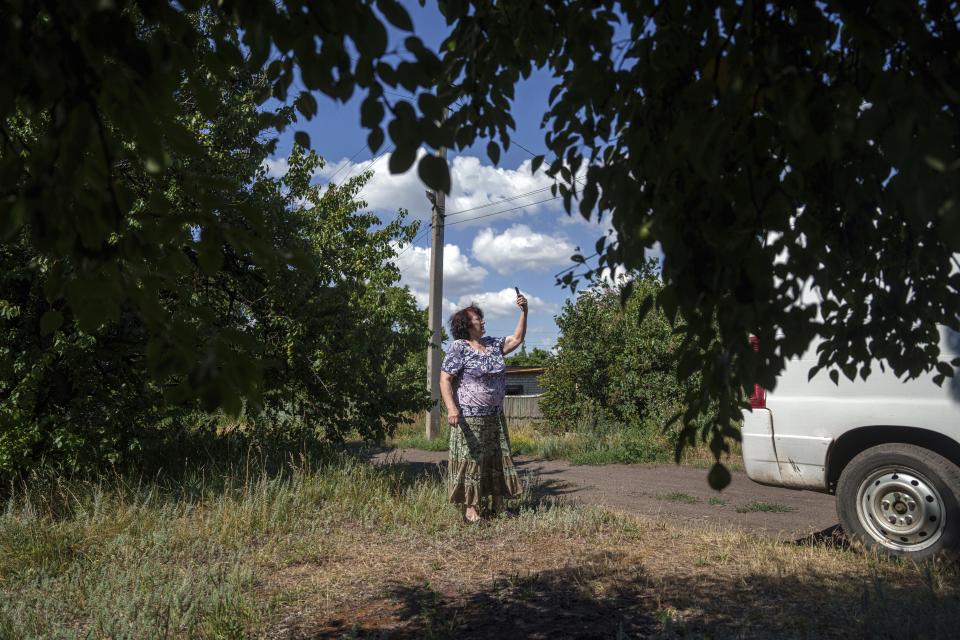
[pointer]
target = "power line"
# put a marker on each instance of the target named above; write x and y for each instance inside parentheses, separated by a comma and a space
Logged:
(415, 240)
(501, 201)
(559, 273)
(399, 95)
(535, 155)
(496, 213)
(488, 215)
(347, 163)
(373, 162)
(369, 166)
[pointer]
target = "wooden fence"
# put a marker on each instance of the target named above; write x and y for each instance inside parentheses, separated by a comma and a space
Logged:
(522, 409)
(517, 409)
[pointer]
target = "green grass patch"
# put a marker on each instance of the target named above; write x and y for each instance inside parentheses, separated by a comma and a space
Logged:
(679, 496)
(535, 438)
(130, 557)
(247, 549)
(766, 507)
(413, 436)
(719, 502)
(588, 448)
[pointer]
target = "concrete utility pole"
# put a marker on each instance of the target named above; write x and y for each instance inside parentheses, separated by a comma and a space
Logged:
(434, 351)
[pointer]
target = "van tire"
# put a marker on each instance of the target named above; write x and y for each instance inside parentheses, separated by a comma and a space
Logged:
(902, 500)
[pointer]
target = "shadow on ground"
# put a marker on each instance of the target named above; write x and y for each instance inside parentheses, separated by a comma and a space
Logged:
(832, 537)
(538, 481)
(604, 596)
(612, 594)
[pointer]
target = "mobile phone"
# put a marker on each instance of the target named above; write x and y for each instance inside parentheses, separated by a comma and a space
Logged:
(517, 289)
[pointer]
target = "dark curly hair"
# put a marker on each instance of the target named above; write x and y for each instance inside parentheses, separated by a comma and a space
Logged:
(460, 322)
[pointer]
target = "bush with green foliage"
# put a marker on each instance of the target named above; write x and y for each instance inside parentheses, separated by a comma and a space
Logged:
(320, 343)
(615, 369)
(535, 358)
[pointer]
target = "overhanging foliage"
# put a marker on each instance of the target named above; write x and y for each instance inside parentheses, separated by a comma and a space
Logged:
(729, 132)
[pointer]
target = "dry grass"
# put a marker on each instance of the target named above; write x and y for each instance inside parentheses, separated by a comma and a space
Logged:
(351, 550)
(588, 573)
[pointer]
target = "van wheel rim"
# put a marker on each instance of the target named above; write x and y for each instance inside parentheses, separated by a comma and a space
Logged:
(901, 509)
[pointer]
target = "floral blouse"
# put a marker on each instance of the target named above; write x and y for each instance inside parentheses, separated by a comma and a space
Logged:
(480, 379)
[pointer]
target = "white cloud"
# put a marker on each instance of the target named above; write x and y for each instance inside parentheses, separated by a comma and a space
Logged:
(503, 303)
(480, 189)
(447, 308)
(458, 273)
(519, 247)
(474, 185)
(620, 273)
(384, 191)
(276, 167)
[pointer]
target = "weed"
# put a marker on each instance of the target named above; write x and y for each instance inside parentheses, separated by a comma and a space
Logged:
(665, 615)
(719, 502)
(679, 496)
(766, 507)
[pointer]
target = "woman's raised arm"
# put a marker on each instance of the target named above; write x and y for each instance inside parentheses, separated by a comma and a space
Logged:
(512, 342)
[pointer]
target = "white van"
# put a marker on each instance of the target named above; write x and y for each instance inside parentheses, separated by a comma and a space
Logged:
(888, 449)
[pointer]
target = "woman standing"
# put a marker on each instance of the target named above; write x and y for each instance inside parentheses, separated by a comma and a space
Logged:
(473, 384)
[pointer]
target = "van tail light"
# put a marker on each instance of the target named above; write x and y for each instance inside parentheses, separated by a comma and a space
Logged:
(758, 400)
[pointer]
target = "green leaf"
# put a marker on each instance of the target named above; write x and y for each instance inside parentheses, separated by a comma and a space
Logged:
(371, 112)
(536, 163)
(427, 61)
(936, 164)
(372, 36)
(302, 139)
(375, 139)
(395, 14)
(50, 322)
(430, 106)
(13, 218)
(493, 152)
(434, 172)
(402, 158)
(307, 105)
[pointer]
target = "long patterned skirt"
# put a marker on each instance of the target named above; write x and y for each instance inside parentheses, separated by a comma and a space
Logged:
(480, 462)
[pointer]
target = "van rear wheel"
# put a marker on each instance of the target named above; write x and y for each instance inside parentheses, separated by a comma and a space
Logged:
(901, 499)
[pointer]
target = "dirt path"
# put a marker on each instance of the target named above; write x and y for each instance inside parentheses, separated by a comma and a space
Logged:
(680, 494)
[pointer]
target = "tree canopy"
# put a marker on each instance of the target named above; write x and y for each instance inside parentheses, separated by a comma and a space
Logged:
(217, 284)
(536, 357)
(634, 387)
(765, 147)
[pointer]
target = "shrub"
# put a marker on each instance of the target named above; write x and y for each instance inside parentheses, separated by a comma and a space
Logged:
(615, 370)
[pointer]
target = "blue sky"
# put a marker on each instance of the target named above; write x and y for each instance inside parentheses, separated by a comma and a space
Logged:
(484, 258)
